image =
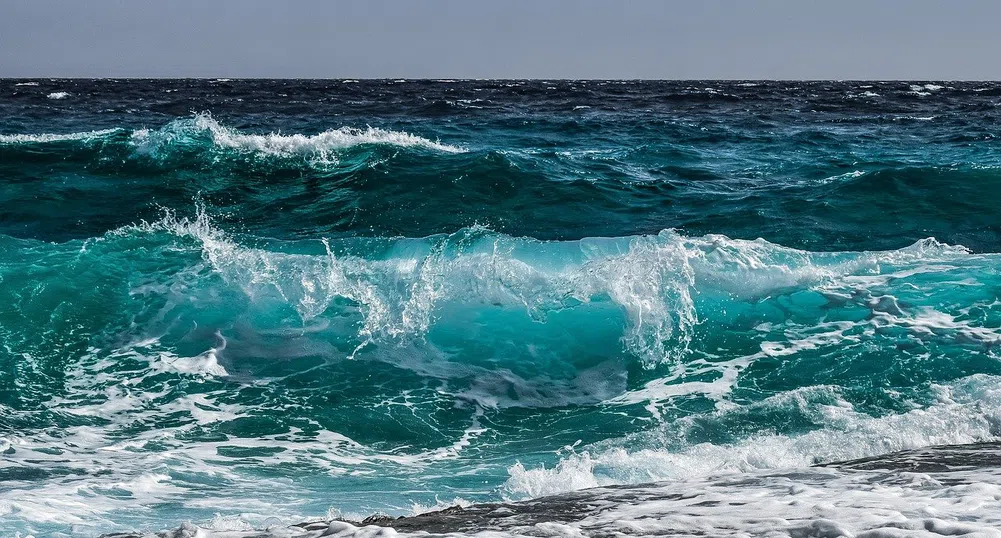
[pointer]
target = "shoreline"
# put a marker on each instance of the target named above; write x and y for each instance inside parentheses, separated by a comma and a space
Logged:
(567, 514)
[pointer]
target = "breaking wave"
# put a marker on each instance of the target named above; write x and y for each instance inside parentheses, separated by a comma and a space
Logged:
(203, 133)
(467, 330)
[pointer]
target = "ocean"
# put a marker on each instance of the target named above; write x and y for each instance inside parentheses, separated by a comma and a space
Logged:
(234, 308)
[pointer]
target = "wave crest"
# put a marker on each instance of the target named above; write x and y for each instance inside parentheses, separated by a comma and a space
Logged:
(44, 138)
(657, 284)
(202, 133)
(321, 147)
(399, 292)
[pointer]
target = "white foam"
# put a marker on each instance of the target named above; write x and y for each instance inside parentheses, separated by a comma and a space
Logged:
(58, 95)
(854, 174)
(863, 95)
(810, 503)
(965, 413)
(924, 90)
(116, 472)
(26, 84)
(54, 137)
(205, 364)
(816, 502)
(417, 509)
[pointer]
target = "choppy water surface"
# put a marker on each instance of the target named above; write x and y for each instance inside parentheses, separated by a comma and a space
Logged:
(245, 304)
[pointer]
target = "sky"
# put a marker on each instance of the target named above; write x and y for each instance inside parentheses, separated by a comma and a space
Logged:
(653, 39)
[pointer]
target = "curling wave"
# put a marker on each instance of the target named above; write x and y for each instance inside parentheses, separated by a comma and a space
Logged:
(656, 282)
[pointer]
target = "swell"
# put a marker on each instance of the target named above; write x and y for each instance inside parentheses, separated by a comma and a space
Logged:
(383, 183)
(400, 288)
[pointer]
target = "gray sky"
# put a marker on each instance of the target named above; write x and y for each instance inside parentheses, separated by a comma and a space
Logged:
(835, 39)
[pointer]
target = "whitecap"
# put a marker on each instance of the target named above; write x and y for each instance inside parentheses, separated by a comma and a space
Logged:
(321, 146)
(914, 118)
(54, 137)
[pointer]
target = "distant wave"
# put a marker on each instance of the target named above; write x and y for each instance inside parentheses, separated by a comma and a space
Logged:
(201, 132)
(45, 138)
(278, 144)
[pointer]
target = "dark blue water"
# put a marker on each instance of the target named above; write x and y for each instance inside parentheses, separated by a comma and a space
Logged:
(235, 301)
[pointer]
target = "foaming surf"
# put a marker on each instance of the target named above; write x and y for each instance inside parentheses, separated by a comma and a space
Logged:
(920, 493)
(963, 413)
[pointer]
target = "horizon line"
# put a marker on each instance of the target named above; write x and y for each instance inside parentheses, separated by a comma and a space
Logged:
(473, 79)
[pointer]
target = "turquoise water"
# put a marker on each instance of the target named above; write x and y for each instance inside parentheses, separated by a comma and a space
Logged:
(264, 301)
